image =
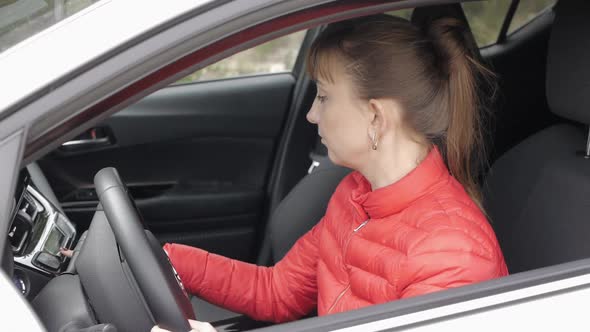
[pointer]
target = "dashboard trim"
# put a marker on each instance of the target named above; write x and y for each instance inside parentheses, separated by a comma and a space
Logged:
(55, 219)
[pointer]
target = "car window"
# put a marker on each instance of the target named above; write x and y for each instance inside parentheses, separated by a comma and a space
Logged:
(486, 19)
(275, 56)
(526, 11)
(21, 19)
(403, 13)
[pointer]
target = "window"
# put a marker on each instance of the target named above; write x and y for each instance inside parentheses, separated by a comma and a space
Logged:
(403, 13)
(486, 19)
(21, 19)
(527, 10)
(275, 56)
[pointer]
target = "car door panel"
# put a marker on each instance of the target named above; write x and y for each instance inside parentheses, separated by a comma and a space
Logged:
(195, 157)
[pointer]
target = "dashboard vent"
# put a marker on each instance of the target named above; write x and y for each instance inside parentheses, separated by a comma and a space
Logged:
(29, 206)
(22, 225)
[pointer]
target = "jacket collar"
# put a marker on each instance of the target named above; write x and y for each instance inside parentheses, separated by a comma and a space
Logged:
(399, 195)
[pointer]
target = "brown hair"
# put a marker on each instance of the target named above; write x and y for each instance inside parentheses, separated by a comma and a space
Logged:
(432, 73)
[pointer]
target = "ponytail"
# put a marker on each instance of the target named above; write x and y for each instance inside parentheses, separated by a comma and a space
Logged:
(464, 147)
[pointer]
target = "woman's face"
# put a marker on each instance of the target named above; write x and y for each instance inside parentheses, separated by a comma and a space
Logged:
(342, 119)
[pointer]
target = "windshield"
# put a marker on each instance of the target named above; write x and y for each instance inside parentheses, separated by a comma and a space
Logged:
(21, 19)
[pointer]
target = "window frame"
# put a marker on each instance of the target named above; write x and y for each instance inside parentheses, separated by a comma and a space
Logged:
(507, 21)
(503, 35)
(294, 70)
(508, 18)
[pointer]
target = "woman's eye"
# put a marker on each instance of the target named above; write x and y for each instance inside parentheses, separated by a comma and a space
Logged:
(321, 99)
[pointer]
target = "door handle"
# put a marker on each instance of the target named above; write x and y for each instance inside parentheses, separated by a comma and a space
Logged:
(91, 139)
(86, 143)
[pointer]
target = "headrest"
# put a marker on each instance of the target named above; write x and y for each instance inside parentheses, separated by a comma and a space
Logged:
(423, 16)
(568, 61)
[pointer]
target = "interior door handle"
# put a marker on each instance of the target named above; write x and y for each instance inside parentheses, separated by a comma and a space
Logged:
(91, 142)
(91, 139)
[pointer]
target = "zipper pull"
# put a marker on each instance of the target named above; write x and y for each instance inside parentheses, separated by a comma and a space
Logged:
(361, 226)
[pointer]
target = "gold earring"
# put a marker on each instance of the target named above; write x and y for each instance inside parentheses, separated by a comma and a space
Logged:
(374, 140)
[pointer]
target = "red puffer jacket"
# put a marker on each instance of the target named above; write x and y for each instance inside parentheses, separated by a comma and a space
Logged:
(419, 235)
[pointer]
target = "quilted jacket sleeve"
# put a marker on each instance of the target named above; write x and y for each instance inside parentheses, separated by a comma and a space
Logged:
(450, 258)
(284, 292)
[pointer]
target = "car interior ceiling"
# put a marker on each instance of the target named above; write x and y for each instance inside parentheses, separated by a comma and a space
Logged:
(536, 187)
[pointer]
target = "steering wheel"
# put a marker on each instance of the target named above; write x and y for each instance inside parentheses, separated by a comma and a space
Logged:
(161, 289)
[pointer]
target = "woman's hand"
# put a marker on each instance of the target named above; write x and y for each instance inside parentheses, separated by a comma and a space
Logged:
(66, 252)
(196, 326)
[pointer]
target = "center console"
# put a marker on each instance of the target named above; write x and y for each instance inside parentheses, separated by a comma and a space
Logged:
(37, 232)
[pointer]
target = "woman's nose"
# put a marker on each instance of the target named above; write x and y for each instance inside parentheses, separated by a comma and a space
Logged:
(312, 115)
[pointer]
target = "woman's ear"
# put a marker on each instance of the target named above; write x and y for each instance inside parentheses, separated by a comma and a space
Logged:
(378, 117)
(377, 121)
(385, 114)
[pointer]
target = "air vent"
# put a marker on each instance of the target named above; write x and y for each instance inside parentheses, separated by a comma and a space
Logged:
(29, 206)
(22, 225)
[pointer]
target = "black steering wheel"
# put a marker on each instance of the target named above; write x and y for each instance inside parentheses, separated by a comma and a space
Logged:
(160, 287)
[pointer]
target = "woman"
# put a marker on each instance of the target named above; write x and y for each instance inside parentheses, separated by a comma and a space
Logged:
(400, 107)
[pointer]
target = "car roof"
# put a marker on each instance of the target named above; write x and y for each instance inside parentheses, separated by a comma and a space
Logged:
(80, 39)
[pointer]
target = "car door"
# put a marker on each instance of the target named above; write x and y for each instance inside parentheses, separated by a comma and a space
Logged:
(195, 155)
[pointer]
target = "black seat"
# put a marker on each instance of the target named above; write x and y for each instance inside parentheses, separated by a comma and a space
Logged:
(538, 193)
(306, 203)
